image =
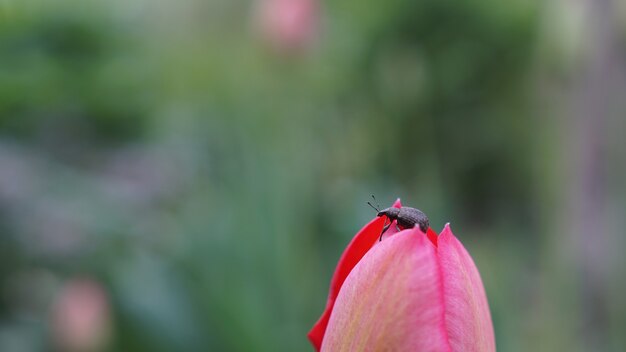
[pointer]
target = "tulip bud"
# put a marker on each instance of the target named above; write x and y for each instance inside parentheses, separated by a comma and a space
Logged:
(406, 293)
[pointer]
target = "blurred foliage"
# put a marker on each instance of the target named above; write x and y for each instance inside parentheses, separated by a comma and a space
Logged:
(210, 182)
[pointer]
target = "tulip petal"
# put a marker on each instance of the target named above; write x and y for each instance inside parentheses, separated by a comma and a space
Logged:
(392, 300)
(360, 244)
(468, 320)
(432, 236)
(356, 249)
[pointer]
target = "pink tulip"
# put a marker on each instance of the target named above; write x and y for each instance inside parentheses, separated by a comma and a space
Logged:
(413, 291)
(288, 25)
(81, 318)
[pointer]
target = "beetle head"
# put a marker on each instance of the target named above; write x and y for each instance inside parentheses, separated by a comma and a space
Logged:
(391, 212)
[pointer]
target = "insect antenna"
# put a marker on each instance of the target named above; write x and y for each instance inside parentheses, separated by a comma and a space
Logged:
(373, 207)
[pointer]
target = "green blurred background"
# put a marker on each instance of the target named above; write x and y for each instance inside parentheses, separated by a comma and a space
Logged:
(183, 175)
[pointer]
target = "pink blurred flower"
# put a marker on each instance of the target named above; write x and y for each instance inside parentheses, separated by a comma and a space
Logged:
(81, 317)
(411, 292)
(288, 24)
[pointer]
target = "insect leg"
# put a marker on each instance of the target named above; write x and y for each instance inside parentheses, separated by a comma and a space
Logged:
(384, 229)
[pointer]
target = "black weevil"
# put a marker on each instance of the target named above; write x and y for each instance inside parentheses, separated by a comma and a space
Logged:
(406, 217)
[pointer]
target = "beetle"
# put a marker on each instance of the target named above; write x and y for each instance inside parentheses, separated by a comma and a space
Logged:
(406, 217)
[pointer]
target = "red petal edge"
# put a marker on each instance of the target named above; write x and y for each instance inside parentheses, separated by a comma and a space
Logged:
(356, 249)
(432, 236)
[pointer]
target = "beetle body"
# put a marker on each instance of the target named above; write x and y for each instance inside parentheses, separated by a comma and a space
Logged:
(407, 217)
